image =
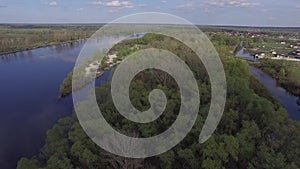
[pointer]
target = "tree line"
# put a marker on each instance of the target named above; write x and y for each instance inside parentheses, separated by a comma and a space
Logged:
(13, 39)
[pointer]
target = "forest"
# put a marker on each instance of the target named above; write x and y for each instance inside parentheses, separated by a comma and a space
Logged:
(14, 38)
(254, 132)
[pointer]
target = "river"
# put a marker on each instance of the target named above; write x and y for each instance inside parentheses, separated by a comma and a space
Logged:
(29, 101)
(29, 88)
(288, 101)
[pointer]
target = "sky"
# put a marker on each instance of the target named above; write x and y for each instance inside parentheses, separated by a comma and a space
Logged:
(202, 12)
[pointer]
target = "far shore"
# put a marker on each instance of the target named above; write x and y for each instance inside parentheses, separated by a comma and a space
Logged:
(41, 46)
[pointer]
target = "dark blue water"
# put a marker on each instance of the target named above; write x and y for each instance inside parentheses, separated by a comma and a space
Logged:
(288, 101)
(29, 104)
(29, 90)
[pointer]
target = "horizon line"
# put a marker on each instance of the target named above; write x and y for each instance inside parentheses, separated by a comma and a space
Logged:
(104, 23)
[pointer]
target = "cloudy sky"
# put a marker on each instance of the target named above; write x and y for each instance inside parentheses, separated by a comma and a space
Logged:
(203, 12)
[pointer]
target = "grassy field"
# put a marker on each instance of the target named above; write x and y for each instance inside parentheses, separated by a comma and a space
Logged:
(14, 38)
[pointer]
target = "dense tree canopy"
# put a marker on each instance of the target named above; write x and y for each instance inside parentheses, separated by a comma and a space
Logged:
(254, 131)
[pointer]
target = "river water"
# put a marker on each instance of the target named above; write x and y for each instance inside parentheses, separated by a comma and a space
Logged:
(29, 90)
(29, 104)
(288, 101)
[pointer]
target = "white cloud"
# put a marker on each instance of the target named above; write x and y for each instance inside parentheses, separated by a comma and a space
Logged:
(96, 3)
(80, 9)
(232, 3)
(298, 6)
(185, 6)
(164, 1)
(53, 3)
(113, 3)
(125, 4)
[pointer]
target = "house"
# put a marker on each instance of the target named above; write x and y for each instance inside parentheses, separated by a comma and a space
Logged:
(295, 46)
(274, 52)
(282, 43)
(280, 56)
(260, 55)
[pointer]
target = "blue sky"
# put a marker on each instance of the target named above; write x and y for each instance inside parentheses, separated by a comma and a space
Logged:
(203, 12)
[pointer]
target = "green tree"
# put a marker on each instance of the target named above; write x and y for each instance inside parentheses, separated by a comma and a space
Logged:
(59, 161)
(25, 163)
(168, 159)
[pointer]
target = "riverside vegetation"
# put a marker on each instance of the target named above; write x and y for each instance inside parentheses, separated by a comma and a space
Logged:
(285, 72)
(14, 38)
(254, 132)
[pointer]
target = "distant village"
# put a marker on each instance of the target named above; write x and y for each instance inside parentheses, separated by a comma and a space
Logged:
(291, 42)
(295, 54)
(255, 35)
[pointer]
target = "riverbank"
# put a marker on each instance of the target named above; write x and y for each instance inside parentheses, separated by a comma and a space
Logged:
(286, 73)
(41, 46)
(66, 86)
(15, 38)
(264, 71)
(288, 101)
(29, 90)
(113, 57)
(92, 69)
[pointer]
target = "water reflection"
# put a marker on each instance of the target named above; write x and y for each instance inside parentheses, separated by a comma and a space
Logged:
(65, 52)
